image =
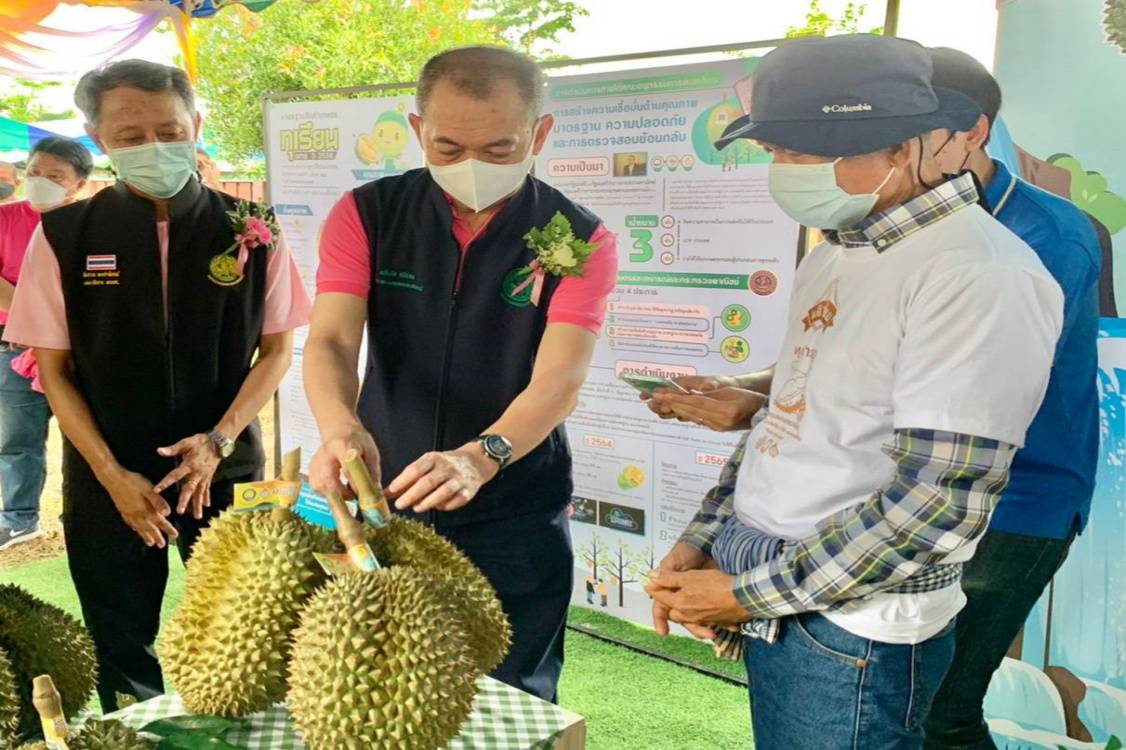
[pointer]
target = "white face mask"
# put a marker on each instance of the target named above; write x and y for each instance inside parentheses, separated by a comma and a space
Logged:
(479, 184)
(810, 195)
(44, 194)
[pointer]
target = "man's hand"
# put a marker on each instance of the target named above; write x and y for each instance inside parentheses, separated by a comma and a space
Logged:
(721, 409)
(681, 557)
(443, 481)
(327, 464)
(142, 508)
(697, 597)
(199, 459)
(697, 383)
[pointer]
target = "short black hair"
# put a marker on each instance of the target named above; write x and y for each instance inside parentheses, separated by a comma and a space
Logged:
(67, 149)
(958, 71)
(474, 71)
(139, 74)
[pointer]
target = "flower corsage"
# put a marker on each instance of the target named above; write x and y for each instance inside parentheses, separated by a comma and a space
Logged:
(558, 252)
(255, 226)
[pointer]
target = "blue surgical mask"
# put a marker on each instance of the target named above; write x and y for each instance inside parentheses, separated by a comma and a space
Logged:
(810, 195)
(157, 169)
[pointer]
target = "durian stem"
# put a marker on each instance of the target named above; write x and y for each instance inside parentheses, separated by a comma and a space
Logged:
(49, 704)
(372, 502)
(290, 472)
(351, 535)
(291, 466)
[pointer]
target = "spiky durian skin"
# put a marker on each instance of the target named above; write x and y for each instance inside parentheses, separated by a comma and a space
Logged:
(408, 543)
(41, 639)
(376, 665)
(9, 703)
(31, 746)
(1114, 22)
(225, 648)
(108, 734)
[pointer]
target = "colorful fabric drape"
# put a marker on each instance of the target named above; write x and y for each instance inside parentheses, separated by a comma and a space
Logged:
(18, 137)
(32, 48)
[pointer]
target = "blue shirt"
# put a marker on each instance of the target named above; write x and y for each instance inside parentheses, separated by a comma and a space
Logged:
(1053, 476)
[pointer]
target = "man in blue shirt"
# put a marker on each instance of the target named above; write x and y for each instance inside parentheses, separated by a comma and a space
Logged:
(1049, 493)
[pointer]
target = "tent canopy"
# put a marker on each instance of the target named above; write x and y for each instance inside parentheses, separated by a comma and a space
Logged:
(17, 138)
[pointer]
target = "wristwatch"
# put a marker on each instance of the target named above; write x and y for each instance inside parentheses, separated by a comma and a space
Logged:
(497, 448)
(222, 443)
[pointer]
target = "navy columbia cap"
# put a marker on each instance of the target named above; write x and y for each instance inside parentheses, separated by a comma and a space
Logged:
(847, 95)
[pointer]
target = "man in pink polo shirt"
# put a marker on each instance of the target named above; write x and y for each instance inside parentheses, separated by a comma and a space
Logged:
(57, 169)
(157, 349)
(483, 291)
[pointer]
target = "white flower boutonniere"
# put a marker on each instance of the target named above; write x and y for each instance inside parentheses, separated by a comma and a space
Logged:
(558, 252)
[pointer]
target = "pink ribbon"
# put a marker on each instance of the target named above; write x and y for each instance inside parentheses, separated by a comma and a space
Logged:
(26, 366)
(243, 256)
(536, 279)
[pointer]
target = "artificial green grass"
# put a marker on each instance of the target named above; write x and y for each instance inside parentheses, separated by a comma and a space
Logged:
(629, 700)
(688, 650)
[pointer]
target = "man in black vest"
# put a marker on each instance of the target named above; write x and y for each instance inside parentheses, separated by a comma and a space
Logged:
(146, 348)
(477, 345)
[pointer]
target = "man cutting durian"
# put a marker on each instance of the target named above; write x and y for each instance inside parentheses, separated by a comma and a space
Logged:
(482, 290)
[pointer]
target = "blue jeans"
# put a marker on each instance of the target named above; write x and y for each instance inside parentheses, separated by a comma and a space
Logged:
(24, 415)
(820, 687)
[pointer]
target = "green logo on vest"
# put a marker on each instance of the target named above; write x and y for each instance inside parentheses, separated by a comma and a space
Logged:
(223, 270)
(515, 281)
(398, 279)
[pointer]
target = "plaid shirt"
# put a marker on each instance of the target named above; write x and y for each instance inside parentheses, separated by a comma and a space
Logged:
(940, 499)
(886, 228)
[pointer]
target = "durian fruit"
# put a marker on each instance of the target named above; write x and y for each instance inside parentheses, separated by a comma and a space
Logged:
(37, 639)
(404, 542)
(1114, 23)
(376, 665)
(9, 703)
(225, 648)
(38, 745)
(108, 734)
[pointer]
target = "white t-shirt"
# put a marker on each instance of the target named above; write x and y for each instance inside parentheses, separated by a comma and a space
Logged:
(952, 328)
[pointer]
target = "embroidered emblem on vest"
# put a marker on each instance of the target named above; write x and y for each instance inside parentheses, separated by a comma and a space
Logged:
(513, 289)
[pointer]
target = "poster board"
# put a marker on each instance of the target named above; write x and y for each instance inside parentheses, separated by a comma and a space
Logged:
(316, 151)
(706, 263)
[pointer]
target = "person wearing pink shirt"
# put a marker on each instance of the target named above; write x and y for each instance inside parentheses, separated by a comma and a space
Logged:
(157, 349)
(57, 169)
(480, 333)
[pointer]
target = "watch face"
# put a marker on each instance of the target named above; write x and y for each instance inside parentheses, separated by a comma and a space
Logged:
(227, 450)
(498, 446)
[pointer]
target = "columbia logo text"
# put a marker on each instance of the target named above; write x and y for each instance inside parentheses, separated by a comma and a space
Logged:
(837, 108)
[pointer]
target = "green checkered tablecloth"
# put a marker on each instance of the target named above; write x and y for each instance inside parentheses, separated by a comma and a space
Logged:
(503, 718)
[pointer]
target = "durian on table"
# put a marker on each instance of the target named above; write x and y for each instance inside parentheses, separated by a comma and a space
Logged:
(37, 638)
(386, 659)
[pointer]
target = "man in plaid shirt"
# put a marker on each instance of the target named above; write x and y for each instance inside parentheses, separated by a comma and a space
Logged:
(919, 341)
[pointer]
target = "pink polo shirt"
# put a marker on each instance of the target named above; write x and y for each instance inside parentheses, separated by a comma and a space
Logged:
(38, 315)
(345, 266)
(18, 221)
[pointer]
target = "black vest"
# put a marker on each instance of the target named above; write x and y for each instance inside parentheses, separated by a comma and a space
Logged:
(445, 357)
(149, 385)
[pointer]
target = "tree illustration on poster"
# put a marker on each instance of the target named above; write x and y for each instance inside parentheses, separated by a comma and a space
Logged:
(625, 567)
(592, 553)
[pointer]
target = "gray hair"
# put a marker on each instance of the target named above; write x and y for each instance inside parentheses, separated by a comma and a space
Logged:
(475, 71)
(138, 74)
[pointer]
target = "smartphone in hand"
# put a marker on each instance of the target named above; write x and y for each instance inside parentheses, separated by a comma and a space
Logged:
(647, 384)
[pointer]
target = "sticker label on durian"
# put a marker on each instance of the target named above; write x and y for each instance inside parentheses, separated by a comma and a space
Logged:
(340, 563)
(267, 494)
